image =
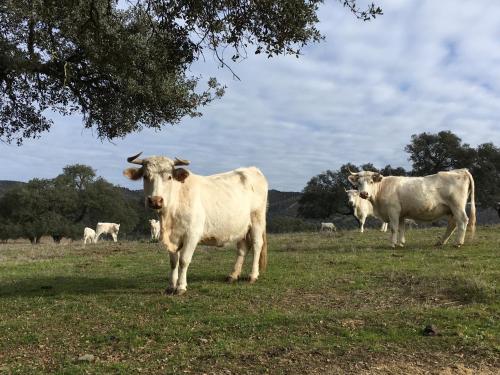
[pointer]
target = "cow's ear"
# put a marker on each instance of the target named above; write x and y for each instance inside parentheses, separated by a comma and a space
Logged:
(180, 174)
(133, 173)
(377, 177)
(353, 179)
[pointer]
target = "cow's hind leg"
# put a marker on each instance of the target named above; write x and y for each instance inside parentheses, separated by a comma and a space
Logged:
(241, 250)
(174, 272)
(257, 232)
(450, 228)
(401, 233)
(461, 218)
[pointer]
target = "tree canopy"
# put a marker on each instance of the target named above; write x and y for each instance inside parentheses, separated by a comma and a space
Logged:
(126, 65)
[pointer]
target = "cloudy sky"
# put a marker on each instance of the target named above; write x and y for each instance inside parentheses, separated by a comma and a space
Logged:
(425, 65)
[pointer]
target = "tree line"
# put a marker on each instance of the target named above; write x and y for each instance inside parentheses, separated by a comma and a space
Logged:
(65, 205)
(429, 153)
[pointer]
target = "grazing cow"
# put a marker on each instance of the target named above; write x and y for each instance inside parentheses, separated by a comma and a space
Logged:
(88, 235)
(109, 228)
(362, 209)
(328, 226)
(155, 229)
(211, 210)
(428, 198)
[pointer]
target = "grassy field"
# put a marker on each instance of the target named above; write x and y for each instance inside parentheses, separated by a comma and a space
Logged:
(328, 304)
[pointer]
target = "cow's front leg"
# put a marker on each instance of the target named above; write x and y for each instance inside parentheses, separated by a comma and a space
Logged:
(174, 272)
(185, 255)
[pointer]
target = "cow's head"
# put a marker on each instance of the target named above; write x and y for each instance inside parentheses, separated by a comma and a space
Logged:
(365, 181)
(352, 196)
(160, 177)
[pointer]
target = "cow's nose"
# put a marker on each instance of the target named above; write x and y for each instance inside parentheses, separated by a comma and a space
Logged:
(155, 202)
(363, 195)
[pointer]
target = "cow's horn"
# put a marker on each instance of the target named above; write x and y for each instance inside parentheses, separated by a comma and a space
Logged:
(351, 172)
(178, 161)
(134, 160)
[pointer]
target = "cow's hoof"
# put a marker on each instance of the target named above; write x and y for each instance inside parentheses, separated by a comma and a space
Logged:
(180, 292)
(231, 279)
(458, 245)
(393, 246)
(169, 291)
(253, 280)
(401, 245)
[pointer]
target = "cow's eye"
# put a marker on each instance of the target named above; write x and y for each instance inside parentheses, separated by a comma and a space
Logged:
(169, 177)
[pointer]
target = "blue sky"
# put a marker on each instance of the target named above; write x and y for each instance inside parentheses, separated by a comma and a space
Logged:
(425, 65)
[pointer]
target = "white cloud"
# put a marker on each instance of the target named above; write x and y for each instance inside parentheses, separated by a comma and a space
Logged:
(359, 96)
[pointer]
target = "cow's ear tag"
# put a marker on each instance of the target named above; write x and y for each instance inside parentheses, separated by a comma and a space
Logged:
(180, 174)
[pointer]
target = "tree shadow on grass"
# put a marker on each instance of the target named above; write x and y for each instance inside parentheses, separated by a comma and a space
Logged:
(77, 285)
(45, 286)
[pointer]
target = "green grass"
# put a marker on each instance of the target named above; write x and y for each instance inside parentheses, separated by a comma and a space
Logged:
(342, 303)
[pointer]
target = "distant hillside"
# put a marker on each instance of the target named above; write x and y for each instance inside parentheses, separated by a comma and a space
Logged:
(283, 203)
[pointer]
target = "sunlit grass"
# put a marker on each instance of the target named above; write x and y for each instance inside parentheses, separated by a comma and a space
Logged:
(332, 303)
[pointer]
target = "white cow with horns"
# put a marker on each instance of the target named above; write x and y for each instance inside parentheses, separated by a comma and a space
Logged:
(211, 210)
(428, 198)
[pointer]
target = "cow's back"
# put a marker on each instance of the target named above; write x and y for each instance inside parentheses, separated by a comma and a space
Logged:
(227, 201)
(425, 198)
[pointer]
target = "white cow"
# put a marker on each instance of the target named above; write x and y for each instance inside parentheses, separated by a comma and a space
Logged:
(362, 209)
(211, 210)
(155, 229)
(328, 226)
(428, 198)
(107, 228)
(88, 235)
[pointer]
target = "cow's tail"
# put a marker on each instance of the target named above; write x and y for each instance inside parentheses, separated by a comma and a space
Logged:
(263, 253)
(472, 216)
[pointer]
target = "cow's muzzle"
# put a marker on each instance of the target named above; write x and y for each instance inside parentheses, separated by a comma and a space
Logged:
(155, 202)
(363, 195)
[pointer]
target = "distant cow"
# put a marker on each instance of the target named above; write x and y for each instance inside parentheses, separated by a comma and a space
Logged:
(211, 210)
(328, 226)
(109, 228)
(428, 198)
(362, 209)
(155, 229)
(88, 235)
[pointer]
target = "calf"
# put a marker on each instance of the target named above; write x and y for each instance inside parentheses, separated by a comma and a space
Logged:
(109, 228)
